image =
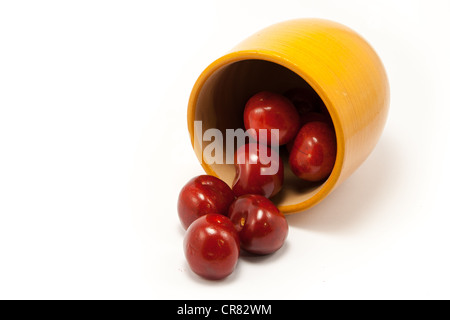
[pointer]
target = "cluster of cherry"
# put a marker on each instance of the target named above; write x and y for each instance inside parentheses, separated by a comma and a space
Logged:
(221, 220)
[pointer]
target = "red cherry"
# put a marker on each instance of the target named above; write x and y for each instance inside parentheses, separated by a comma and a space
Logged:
(255, 173)
(262, 228)
(202, 195)
(305, 100)
(310, 117)
(313, 154)
(315, 116)
(211, 246)
(268, 110)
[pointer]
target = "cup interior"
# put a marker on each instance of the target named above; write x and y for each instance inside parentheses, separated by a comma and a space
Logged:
(220, 104)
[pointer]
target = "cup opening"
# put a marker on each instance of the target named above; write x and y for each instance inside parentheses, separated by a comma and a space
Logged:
(220, 102)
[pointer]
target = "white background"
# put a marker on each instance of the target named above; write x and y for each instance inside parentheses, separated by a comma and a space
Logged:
(94, 149)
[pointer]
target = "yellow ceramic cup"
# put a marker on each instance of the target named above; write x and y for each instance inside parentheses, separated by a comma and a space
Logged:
(335, 61)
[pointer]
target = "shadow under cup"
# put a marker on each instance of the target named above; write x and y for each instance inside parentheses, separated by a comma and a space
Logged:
(336, 62)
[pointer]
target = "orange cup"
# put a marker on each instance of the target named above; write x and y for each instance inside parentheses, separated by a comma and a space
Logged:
(335, 61)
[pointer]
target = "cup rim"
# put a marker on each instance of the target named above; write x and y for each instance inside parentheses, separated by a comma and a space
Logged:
(240, 55)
